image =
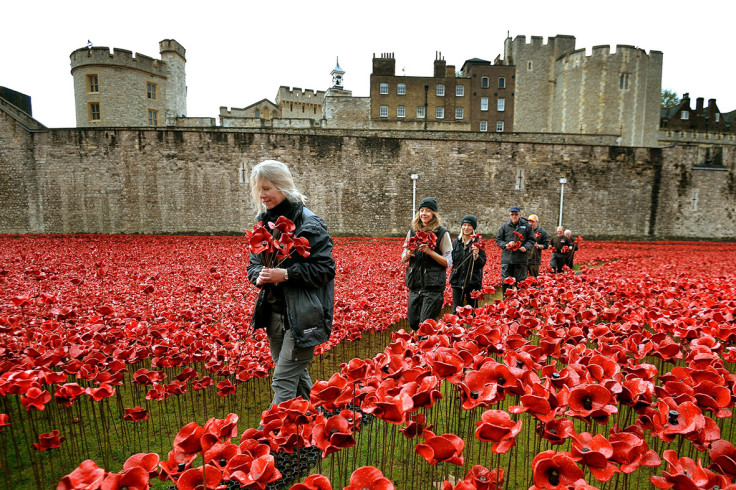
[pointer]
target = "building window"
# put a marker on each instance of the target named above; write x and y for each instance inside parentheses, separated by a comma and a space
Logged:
(501, 105)
(484, 125)
(499, 126)
(440, 90)
(93, 109)
(459, 112)
(623, 81)
(151, 91)
(383, 88)
(484, 83)
(528, 66)
(484, 103)
(440, 113)
(421, 114)
(685, 115)
(460, 91)
(152, 117)
(694, 200)
(718, 116)
(501, 82)
(383, 111)
(258, 113)
(93, 85)
(401, 89)
(401, 111)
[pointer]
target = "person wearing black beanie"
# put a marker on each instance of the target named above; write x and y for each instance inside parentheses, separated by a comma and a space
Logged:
(468, 260)
(426, 274)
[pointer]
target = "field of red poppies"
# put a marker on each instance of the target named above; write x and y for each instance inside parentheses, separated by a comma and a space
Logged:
(129, 361)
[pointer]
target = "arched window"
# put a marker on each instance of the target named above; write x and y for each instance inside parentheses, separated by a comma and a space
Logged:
(258, 114)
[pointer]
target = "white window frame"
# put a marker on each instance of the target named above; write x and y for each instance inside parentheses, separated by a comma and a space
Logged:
(459, 113)
(440, 90)
(439, 113)
(383, 89)
(501, 82)
(484, 126)
(421, 112)
(383, 111)
(501, 104)
(485, 82)
(685, 115)
(484, 103)
(459, 90)
(401, 111)
(401, 89)
(500, 126)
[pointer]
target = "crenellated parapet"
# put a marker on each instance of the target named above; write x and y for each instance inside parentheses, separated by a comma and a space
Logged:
(296, 94)
(102, 56)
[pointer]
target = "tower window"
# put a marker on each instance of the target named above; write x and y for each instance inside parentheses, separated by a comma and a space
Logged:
(93, 85)
(152, 117)
(151, 90)
(528, 66)
(93, 111)
(623, 81)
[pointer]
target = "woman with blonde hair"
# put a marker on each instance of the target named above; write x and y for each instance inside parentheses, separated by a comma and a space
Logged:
(428, 250)
(295, 304)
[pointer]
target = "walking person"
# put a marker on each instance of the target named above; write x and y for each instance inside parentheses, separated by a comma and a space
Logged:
(560, 247)
(295, 304)
(426, 274)
(541, 242)
(514, 239)
(468, 260)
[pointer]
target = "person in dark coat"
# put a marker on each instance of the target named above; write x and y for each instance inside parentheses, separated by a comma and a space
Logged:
(560, 247)
(573, 246)
(541, 242)
(426, 274)
(468, 261)
(514, 239)
(296, 299)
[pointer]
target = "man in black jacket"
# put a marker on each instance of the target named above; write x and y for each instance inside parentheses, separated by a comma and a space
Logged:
(515, 238)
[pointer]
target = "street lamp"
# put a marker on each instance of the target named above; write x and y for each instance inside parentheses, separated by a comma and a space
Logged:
(414, 178)
(563, 181)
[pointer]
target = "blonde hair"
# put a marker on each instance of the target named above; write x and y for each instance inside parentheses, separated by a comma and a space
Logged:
(279, 175)
(433, 224)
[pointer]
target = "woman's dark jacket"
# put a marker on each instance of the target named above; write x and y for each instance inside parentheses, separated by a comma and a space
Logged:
(310, 291)
(423, 272)
(506, 235)
(466, 272)
(535, 254)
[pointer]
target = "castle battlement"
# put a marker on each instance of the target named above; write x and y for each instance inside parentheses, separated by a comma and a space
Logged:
(538, 41)
(623, 53)
(100, 55)
(296, 94)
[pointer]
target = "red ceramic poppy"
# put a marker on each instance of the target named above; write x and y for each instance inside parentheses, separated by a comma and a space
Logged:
(686, 473)
(595, 452)
(226, 387)
(260, 240)
(50, 440)
(556, 431)
(369, 478)
(147, 461)
(200, 478)
(86, 475)
(313, 482)
(589, 401)
(104, 391)
(555, 470)
(301, 245)
(133, 478)
(723, 457)
(36, 398)
(67, 394)
(187, 442)
(261, 472)
(631, 451)
(136, 414)
(481, 478)
(445, 447)
(222, 429)
(336, 432)
(497, 427)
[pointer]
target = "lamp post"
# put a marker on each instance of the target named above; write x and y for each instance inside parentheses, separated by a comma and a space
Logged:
(563, 181)
(414, 178)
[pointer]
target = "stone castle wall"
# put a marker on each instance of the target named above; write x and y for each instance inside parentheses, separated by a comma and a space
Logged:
(187, 181)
